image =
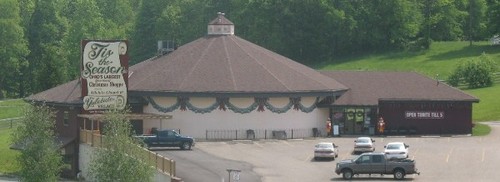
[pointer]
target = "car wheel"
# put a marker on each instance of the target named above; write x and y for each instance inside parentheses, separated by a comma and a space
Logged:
(347, 174)
(399, 174)
(186, 146)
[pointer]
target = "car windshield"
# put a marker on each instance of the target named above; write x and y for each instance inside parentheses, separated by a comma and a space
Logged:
(324, 146)
(362, 140)
(395, 147)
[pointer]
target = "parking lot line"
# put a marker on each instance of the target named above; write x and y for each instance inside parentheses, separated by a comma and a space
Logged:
(448, 156)
(346, 154)
(308, 158)
(484, 152)
(285, 142)
(258, 144)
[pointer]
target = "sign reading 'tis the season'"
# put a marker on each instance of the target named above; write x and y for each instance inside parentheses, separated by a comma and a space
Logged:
(104, 75)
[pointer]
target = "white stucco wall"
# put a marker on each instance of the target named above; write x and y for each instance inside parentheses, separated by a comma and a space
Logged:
(196, 124)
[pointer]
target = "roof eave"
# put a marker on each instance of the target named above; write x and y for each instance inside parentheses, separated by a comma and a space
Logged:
(237, 94)
(427, 100)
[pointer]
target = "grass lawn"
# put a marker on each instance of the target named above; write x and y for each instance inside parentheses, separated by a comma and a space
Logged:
(480, 129)
(8, 163)
(487, 108)
(441, 59)
(11, 108)
(8, 109)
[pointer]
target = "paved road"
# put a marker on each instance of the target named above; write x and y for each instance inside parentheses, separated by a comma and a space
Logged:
(198, 165)
(458, 158)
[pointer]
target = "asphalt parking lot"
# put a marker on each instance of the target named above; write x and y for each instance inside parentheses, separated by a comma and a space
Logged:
(451, 158)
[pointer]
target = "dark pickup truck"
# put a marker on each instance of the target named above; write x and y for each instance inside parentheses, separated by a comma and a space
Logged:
(167, 138)
(376, 163)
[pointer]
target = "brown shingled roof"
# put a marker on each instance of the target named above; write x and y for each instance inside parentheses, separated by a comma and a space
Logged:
(367, 87)
(227, 64)
(67, 93)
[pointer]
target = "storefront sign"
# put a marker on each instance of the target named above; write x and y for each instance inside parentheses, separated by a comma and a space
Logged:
(104, 75)
(424, 115)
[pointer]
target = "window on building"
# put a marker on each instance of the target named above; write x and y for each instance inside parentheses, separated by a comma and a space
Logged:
(66, 118)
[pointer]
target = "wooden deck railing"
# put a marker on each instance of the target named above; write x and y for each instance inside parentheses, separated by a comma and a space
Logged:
(161, 163)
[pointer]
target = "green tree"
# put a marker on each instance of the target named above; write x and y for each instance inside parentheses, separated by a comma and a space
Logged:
(119, 17)
(47, 59)
(476, 20)
(144, 39)
(13, 49)
(84, 23)
(120, 158)
(444, 19)
(40, 159)
(493, 17)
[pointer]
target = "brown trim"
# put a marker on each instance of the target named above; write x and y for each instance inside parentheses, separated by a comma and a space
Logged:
(99, 117)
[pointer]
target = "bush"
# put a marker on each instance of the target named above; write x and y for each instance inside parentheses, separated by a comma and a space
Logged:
(474, 73)
(40, 158)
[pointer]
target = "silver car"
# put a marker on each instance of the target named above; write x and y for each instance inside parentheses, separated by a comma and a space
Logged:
(364, 144)
(326, 150)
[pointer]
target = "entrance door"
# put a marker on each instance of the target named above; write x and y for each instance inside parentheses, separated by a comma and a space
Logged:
(354, 121)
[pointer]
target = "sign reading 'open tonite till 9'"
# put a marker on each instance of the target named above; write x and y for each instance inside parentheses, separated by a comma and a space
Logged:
(104, 75)
(424, 115)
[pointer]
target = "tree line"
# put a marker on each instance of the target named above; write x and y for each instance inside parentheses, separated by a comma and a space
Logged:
(40, 39)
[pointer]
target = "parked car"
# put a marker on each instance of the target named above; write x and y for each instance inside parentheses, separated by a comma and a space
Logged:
(326, 150)
(364, 144)
(167, 138)
(375, 163)
(398, 150)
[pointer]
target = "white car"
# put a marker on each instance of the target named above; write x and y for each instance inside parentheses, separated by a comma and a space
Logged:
(396, 150)
(326, 150)
(364, 144)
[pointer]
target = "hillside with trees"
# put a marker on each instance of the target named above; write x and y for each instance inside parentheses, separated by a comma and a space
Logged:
(40, 40)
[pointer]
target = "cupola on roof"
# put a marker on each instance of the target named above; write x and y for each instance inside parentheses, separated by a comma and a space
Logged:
(220, 26)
